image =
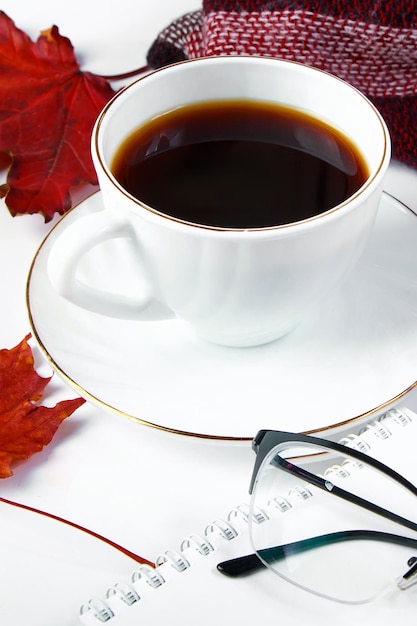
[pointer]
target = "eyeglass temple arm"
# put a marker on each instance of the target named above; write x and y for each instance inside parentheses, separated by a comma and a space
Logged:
(266, 439)
(329, 487)
(251, 562)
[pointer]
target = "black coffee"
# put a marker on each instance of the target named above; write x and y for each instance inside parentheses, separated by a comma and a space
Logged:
(239, 164)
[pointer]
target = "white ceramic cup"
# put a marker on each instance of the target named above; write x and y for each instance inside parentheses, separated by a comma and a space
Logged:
(233, 287)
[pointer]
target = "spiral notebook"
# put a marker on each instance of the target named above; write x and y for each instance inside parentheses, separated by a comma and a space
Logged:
(185, 586)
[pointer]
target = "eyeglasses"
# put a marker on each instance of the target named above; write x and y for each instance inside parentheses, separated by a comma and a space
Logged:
(333, 520)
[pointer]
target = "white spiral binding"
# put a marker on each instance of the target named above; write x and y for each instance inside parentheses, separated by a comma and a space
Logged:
(176, 559)
(99, 609)
(125, 592)
(123, 595)
(151, 575)
(380, 428)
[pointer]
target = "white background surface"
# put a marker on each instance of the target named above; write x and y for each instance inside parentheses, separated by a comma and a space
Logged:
(143, 488)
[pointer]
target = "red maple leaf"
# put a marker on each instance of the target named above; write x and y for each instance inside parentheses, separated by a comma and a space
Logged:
(47, 111)
(25, 427)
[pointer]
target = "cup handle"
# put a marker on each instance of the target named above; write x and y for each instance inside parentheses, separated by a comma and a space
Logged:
(65, 257)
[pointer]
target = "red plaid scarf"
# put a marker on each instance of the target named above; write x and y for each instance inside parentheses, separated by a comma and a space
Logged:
(370, 44)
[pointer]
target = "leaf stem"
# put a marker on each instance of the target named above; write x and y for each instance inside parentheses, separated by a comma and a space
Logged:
(136, 72)
(125, 551)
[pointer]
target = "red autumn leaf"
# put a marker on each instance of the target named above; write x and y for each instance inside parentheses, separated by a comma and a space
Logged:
(25, 427)
(47, 112)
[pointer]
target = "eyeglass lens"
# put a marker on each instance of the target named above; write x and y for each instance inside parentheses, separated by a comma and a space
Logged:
(336, 526)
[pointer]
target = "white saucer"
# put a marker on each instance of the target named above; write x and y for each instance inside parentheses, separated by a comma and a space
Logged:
(356, 354)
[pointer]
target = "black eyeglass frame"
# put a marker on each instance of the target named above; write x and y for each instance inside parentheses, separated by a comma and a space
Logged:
(267, 440)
